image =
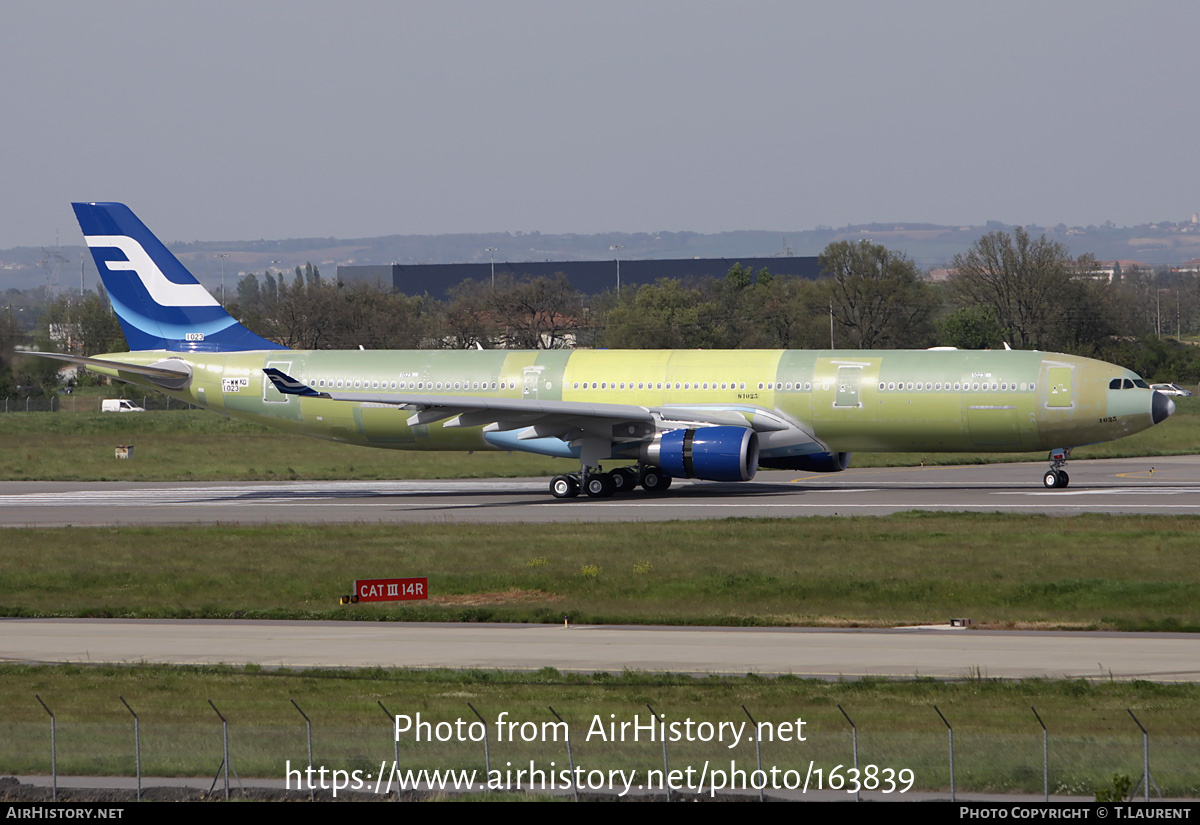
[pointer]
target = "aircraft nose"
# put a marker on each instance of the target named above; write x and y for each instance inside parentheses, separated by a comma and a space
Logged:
(1161, 408)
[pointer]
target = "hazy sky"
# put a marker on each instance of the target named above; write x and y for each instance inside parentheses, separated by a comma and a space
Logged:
(245, 120)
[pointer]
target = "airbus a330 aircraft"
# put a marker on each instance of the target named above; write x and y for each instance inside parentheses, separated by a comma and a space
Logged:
(708, 414)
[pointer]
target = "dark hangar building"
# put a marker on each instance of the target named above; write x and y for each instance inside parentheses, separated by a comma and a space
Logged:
(589, 277)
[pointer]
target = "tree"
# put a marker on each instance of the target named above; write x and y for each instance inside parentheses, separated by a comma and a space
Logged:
(662, 315)
(83, 326)
(1028, 285)
(468, 317)
(973, 327)
(786, 312)
(539, 313)
(877, 297)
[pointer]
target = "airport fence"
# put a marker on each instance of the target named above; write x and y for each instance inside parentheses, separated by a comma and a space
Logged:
(645, 752)
(72, 403)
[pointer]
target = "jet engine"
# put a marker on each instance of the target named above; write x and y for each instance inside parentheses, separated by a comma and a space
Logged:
(712, 453)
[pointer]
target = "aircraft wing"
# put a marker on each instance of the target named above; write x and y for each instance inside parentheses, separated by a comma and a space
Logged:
(541, 418)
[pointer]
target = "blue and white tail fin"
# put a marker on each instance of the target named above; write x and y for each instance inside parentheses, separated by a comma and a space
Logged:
(160, 304)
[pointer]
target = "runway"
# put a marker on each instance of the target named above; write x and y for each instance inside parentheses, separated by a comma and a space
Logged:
(820, 653)
(1156, 486)
(1160, 485)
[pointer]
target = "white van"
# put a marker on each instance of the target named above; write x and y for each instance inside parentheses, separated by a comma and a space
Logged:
(119, 405)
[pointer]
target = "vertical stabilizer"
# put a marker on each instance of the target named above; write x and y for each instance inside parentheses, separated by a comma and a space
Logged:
(160, 304)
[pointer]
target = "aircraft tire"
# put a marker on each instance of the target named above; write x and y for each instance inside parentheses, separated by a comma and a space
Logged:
(599, 485)
(1053, 480)
(564, 487)
(654, 480)
(624, 479)
(1066, 479)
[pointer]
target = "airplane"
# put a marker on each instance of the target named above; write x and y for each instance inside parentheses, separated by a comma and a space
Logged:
(706, 414)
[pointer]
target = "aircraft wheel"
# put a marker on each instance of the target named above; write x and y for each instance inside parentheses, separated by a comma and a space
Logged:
(599, 485)
(1066, 479)
(1052, 480)
(624, 479)
(564, 487)
(654, 481)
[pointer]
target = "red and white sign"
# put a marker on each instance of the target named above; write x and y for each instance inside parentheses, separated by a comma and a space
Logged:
(391, 590)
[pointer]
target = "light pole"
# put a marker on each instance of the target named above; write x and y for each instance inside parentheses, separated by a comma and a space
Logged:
(617, 248)
(222, 256)
(492, 250)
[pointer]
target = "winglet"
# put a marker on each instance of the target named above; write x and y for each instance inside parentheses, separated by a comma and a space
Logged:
(290, 386)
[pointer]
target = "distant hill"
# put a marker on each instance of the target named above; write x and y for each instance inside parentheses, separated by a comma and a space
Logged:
(929, 245)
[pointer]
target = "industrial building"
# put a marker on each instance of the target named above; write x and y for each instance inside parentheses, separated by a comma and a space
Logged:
(589, 277)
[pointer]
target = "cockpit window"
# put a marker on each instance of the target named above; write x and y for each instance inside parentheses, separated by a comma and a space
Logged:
(1127, 384)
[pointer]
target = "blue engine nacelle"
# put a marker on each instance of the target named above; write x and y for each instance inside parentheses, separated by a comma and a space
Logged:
(712, 453)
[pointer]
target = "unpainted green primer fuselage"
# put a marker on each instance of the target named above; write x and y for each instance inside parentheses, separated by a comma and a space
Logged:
(838, 400)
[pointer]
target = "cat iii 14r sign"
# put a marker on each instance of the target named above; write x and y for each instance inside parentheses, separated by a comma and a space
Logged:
(388, 590)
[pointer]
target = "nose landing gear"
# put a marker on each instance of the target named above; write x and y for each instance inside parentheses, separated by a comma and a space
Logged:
(1056, 477)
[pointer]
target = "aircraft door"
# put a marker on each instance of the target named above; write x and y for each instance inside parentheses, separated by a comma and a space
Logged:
(1058, 394)
(849, 380)
(532, 378)
(270, 395)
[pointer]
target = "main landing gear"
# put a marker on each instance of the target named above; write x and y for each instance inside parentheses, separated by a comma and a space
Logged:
(597, 484)
(1056, 477)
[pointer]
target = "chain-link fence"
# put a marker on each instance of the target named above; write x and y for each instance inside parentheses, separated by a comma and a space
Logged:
(646, 751)
(74, 403)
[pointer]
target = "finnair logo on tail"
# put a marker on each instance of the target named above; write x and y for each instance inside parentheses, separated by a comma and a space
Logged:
(163, 292)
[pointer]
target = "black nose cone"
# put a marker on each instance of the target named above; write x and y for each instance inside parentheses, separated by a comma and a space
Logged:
(1161, 407)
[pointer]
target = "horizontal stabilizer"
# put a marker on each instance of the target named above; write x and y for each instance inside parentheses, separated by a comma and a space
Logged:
(170, 374)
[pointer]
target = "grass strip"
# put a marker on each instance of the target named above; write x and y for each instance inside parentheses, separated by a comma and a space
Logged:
(1088, 571)
(196, 445)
